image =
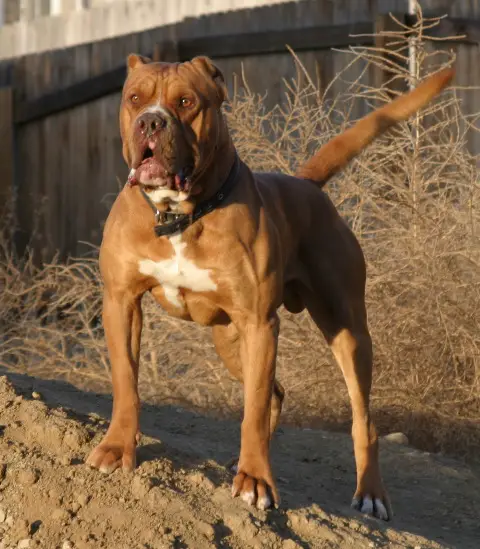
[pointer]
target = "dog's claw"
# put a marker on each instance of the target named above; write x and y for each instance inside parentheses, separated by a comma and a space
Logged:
(374, 507)
(112, 454)
(264, 502)
(380, 510)
(367, 506)
(356, 503)
(254, 491)
(232, 465)
(108, 469)
(249, 497)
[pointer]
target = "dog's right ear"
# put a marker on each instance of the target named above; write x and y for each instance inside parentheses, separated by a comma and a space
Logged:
(207, 66)
(134, 61)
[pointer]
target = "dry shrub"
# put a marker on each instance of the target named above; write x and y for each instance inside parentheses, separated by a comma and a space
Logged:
(410, 199)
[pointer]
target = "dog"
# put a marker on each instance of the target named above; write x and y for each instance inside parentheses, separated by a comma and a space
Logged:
(224, 247)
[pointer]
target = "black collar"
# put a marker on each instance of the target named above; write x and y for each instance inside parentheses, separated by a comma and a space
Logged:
(167, 223)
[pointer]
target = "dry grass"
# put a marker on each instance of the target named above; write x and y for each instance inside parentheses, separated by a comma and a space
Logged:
(411, 201)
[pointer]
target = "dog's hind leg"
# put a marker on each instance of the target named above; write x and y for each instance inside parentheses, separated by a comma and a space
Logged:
(353, 352)
(226, 340)
(344, 325)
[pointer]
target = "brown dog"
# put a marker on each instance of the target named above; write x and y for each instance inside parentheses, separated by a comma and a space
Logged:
(226, 247)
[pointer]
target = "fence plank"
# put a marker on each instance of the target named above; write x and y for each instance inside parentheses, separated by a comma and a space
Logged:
(71, 96)
(261, 43)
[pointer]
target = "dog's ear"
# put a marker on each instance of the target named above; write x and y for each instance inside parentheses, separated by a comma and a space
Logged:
(134, 61)
(207, 66)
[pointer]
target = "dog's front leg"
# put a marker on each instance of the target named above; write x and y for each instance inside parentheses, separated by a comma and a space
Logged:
(122, 319)
(254, 480)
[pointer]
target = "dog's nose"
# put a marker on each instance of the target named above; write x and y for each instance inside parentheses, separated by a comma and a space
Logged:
(150, 123)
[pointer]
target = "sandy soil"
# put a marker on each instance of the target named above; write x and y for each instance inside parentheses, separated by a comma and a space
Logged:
(179, 496)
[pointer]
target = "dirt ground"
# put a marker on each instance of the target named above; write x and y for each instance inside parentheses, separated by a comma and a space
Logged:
(179, 496)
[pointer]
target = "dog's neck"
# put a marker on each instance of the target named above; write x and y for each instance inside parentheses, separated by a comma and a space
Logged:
(215, 173)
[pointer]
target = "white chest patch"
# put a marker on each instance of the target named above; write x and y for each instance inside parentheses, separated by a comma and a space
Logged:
(177, 272)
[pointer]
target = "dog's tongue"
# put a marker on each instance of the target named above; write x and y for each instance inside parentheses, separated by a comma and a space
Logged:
(150, 170)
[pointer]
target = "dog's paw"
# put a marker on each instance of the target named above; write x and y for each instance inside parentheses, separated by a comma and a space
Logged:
(108, 456)
(253, 491)
(378, 507)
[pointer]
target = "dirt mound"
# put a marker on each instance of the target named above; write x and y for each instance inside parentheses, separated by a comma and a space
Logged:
(179, 496)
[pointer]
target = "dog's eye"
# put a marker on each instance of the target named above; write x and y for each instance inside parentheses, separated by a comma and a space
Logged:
(185, 103)
(134, 98)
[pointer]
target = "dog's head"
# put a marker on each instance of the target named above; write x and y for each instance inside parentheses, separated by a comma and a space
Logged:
(171, 123)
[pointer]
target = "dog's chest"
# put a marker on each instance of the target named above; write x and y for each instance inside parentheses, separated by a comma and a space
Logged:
(178, 272)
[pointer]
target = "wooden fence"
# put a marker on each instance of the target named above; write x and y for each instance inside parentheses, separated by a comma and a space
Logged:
(61, 157)
(33, 26)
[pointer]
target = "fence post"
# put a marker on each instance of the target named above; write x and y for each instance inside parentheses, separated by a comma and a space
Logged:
(7, 147)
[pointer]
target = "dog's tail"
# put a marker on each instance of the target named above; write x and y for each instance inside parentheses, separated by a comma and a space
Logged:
(335, 154)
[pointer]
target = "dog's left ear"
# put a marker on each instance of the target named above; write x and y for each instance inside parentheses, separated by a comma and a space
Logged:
(208, 67)
(134, 61)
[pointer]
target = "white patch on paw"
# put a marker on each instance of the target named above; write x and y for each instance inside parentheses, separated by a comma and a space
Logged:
(248, 497)
(380, 510)
(263, 503)
(367, 505)
(107, 469)
(177, 272)
(356, 503)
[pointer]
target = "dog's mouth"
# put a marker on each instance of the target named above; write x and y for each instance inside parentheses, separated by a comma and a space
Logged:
(147, 154)
(152, 173)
